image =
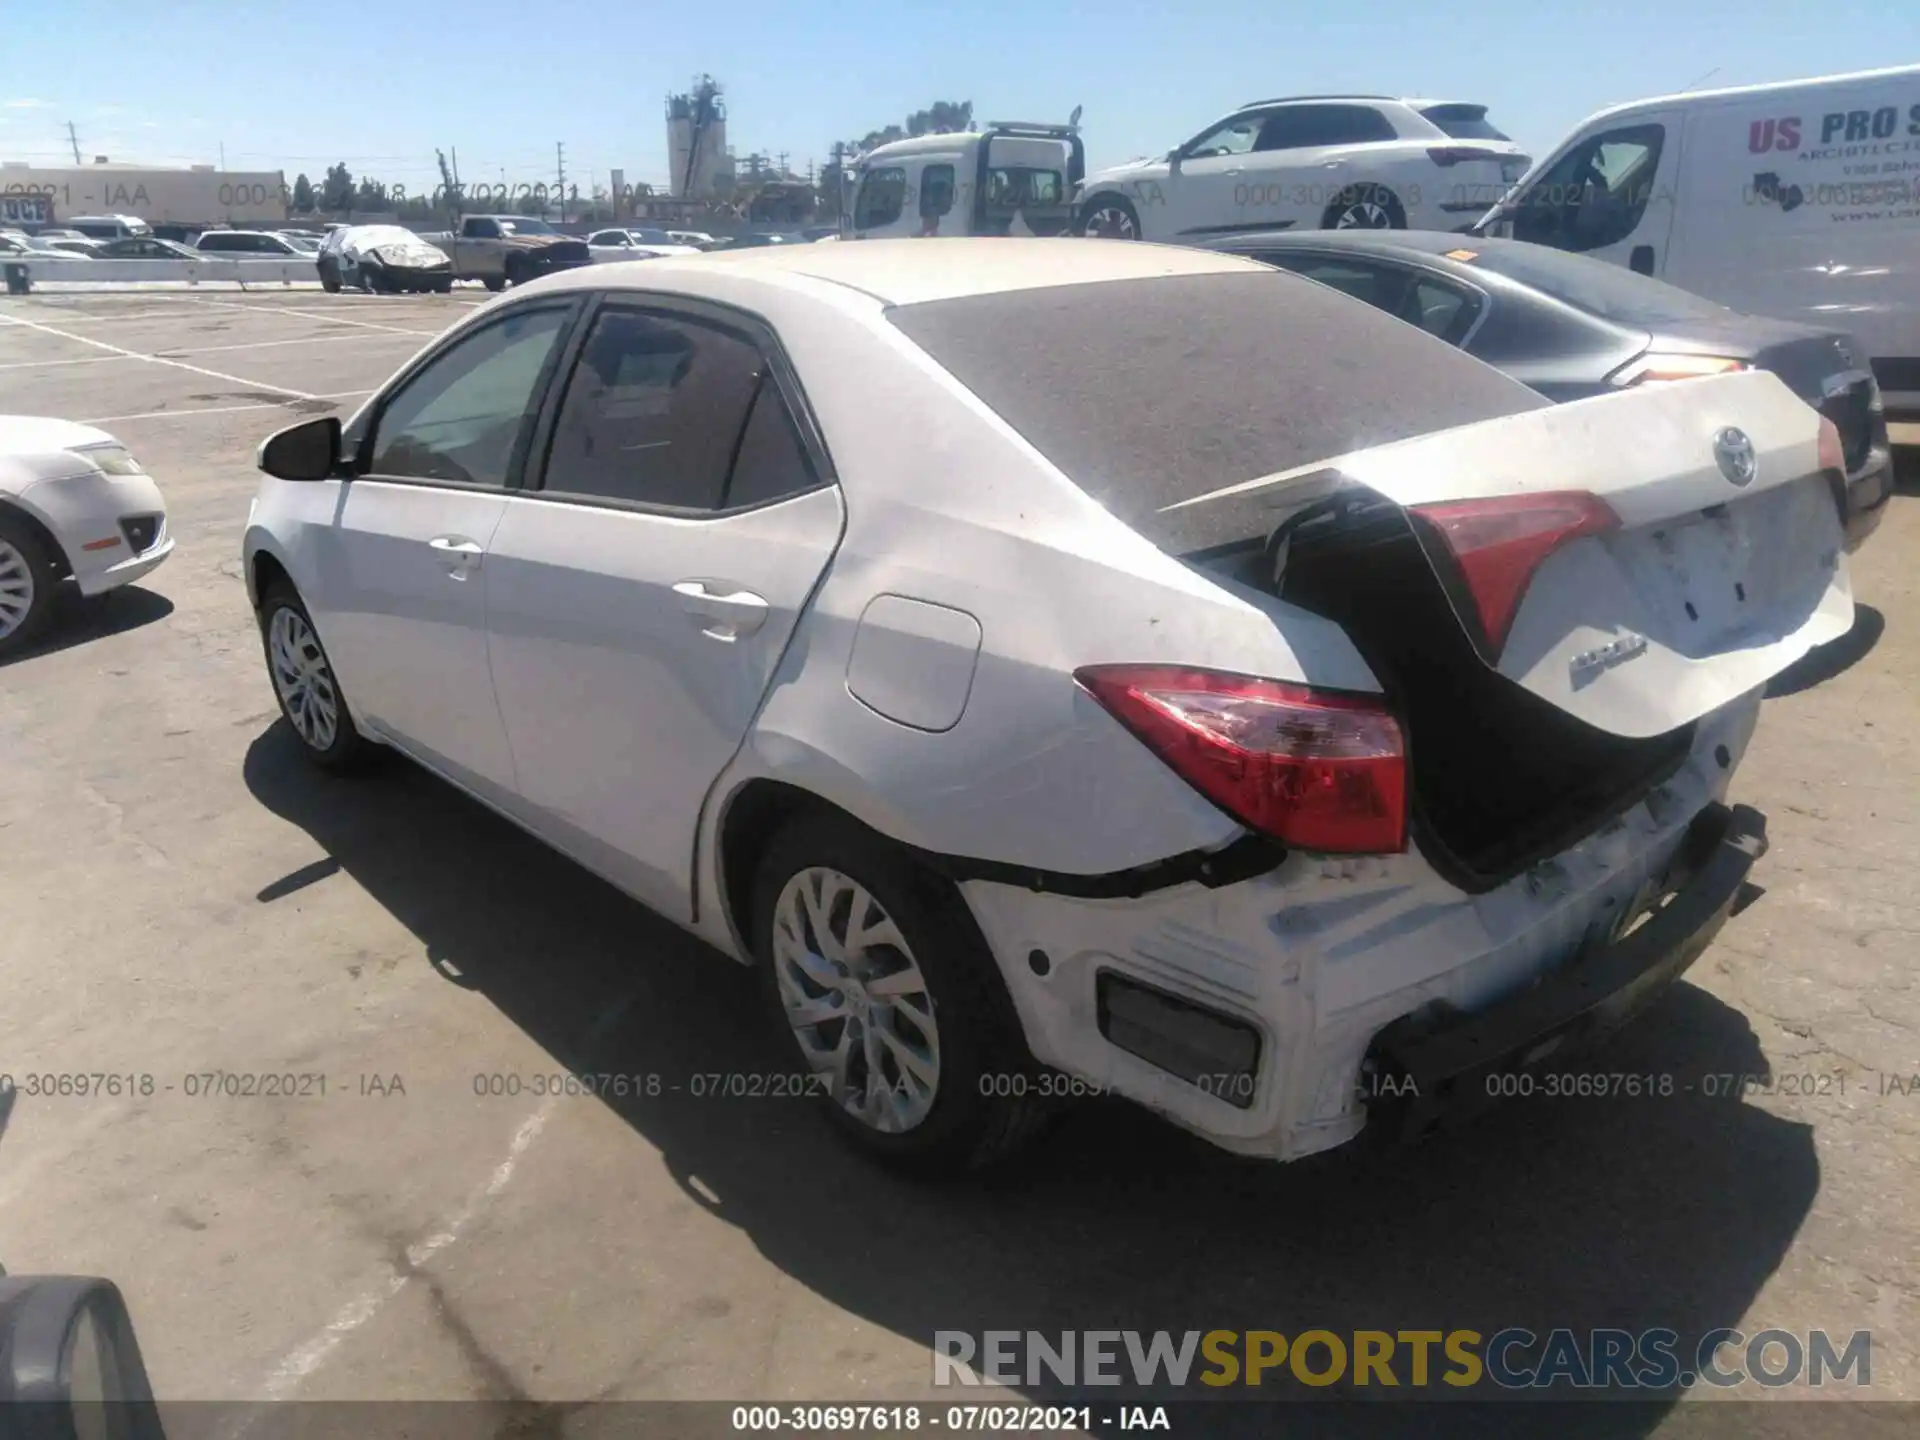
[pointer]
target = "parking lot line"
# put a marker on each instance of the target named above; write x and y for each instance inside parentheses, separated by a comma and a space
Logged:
(153, 359)
(48, 364)
(217, 409)
(310, 315)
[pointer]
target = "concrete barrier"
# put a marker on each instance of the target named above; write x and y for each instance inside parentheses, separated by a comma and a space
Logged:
(23, 274)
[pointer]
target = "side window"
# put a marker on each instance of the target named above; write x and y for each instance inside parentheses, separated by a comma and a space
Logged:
(772, 462)
(652, 411)
(1234, 137)
(936, 191)
(883, 195)
(1374, 284)
(480, 230)
(461, 417)
(1437, 308)
(1303, 126)
(1595, 194)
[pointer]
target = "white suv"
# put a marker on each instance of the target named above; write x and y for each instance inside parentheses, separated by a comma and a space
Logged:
(1310, 162)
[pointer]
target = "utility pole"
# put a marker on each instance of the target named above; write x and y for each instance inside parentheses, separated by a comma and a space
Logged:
(75, 139)
(223, 155)
(782, 158)
(450, 190)
(560, 166)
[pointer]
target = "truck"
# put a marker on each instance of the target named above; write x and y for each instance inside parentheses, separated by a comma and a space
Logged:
(1010, 178)
(503, 250)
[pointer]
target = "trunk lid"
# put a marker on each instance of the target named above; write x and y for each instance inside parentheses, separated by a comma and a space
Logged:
(1712, 581)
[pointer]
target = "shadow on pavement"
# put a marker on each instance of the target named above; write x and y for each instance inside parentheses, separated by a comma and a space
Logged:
(78, 620)
(1823, 662)
(1629, 1213)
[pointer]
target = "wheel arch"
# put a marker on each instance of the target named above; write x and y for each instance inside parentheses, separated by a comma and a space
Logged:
(16, 509)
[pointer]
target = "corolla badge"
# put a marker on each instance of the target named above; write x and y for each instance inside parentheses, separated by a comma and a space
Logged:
(1734, 452)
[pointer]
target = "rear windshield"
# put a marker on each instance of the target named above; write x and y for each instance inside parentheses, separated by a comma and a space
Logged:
(1608, 291)
(1153, 391)
(1464, 122)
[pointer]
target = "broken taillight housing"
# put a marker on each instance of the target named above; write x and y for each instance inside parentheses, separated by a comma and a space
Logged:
(1318, 771)
(1447, 155)
(1499, 543)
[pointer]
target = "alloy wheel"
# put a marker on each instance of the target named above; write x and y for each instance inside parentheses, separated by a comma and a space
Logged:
(302, 679)
(1364, 215)
(856, 1000)
(16, 588)
(1110, 222)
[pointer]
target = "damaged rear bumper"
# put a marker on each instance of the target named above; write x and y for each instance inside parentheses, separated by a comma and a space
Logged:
(1432, 1075)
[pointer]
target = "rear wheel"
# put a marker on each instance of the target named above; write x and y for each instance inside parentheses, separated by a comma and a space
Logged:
(330, 279)
(495, 283)
(1365, 207)
(443, 286)
(304, 684)
(1110, 217)
(28, 585)
(881, 980)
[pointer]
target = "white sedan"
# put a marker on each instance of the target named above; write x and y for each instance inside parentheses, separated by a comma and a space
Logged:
(1064, 668)
(73, 504)
(626, 244)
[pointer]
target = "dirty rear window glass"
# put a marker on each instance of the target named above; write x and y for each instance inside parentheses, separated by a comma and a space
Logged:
(1153, 391)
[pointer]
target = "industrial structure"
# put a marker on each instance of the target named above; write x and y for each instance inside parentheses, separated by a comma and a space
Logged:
(700, 165)
(190, 195)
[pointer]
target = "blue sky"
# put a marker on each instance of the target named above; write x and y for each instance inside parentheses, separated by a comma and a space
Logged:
(379, 85)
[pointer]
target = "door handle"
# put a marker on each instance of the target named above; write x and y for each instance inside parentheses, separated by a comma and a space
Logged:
(459, 554)
(728, 615)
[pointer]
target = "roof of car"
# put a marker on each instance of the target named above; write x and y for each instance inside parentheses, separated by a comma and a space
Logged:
(911, 271)
(1434, 244)
(1301, 99)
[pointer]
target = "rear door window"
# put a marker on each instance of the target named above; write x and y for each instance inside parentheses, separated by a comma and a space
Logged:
(1309, 126)
(653, 411)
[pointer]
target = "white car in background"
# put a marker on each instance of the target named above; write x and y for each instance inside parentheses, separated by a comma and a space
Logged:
(830, 602)
(73, 505)
(628, 244)
(1315, 162)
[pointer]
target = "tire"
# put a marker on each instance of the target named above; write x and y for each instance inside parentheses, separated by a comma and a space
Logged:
(29, 585)
(330, 279)
(371, 280)
(963, 1021)
(495, 283)
(1365, 207)
(1108, 216)
(340, 746)
(443, 287)
(519, 272)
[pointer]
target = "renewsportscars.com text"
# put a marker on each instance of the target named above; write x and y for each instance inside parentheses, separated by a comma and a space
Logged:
(1510, 1359)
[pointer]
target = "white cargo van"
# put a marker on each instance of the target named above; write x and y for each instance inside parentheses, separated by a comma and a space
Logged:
(1010, 178)
(1799, 200)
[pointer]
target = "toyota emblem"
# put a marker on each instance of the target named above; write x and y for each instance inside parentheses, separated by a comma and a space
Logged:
(1734, 451)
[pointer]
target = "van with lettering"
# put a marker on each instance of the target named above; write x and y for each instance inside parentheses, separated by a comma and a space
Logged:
(1798, 200)
(1011, 178)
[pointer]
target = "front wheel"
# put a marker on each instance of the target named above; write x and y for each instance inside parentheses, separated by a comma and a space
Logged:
(495, 283)
(1365, 207)
(330, 279)
(881, 980)
(1110, 217)
(304, 684)
(28, 577)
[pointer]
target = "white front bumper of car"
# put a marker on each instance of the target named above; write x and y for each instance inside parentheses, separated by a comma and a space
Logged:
(1320, 955)
(84, 513)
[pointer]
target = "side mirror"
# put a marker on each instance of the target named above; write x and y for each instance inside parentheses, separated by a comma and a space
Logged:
(307, 451)
(70, 1366)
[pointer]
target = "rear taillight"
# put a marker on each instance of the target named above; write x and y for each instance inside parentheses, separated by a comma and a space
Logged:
(1651, 368)
(1833, 455)
(1320, 772)
(1499, 543)
(1453, 154)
